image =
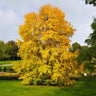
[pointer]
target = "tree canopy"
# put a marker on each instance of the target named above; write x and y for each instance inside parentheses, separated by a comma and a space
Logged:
(75, 46)
(87, 54)
(9, 50)
(92, 37)
(93, 2)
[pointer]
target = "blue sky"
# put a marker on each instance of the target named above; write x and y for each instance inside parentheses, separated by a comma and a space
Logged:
(77, 13)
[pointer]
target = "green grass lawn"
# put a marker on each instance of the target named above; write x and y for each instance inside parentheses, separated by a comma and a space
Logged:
(8, 62)
(14, 88)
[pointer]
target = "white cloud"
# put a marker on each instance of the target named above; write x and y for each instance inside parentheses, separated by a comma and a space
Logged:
(77, 13)
(8, 17)
(81, 34)
(9, 22)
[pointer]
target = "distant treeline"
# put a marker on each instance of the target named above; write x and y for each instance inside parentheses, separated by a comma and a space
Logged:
(9, 50)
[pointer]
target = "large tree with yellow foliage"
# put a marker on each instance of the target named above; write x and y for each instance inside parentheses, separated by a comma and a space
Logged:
(44, 48)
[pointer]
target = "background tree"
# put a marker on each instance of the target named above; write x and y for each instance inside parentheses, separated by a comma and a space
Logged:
(83, 54)
(44, 48)
(93, 2)
(1, 49)
(9, 50)
(92, 37)
(75, 46)
(88, 53)
(92, 42)
(12, 50)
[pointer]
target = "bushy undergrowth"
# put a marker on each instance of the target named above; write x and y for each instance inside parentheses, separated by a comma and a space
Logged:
(6, 69)
(9, 76)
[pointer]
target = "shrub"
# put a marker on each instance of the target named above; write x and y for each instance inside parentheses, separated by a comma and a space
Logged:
(37, 81)
(47, 82)
(6, 69)
(0, 69)
(9, 76)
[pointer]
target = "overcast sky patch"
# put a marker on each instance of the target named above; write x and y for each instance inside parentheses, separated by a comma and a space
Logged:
(77, 13)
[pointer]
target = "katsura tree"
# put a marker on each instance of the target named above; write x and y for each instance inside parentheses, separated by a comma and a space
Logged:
(44, 48)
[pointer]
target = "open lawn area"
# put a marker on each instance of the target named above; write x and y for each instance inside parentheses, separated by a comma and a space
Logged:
(14, 88)
(8, 62)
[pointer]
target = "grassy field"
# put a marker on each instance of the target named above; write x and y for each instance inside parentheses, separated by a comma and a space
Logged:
(8, 62)
(14, 88)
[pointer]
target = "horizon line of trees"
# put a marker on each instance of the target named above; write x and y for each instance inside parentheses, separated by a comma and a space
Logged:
(87, 54)
(9, 50)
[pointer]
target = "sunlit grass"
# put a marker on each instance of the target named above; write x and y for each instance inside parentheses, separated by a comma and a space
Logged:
(14, 88)
(8, 62)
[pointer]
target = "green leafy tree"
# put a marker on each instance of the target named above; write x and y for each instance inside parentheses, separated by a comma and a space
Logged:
(75, 46)
(12, 50)
(89, 52)
(92, 2)
(84, 54)
(8, 51)
(92, 37)
(91, 41)
(1, 49)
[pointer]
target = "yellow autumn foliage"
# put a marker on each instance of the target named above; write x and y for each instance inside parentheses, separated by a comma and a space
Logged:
(81, 68)
(44, 47)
